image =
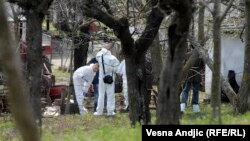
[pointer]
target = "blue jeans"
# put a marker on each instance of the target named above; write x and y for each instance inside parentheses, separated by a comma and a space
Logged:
(196, 88)
(96, 96)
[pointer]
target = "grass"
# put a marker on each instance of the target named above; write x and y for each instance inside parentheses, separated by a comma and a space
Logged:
(203, 118)
(61, 76)
(78, 128)
(91, 128)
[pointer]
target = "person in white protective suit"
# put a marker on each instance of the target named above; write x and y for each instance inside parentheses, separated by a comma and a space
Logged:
(122, 71)
(82, 79)
(111, 64)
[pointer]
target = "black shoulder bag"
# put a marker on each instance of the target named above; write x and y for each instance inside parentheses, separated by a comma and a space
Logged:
(108, 79)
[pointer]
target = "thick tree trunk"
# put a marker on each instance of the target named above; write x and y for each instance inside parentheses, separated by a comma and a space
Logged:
(244, 100)
(156, 60)
(34, 61)
(133, 91)
(216, 85)
(80, 52)
(168, 110)
(20, 106)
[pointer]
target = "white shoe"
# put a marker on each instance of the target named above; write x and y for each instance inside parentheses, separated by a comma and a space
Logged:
(196, 108)
(183, 107)
(83, 111)
(111, 114)
(97, 114)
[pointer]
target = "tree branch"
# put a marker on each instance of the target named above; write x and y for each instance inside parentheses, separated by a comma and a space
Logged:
(190, 62)
(91, 10)
(107, 7)
(152, 26)
(226, 10)
(206, 5)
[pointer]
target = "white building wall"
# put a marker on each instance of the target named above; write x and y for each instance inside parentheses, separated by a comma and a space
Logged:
(232, 58)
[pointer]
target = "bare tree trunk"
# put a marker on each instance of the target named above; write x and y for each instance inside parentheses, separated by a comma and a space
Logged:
(156, 60)
(201, 19)
(244, 100)
(81, 43)
(168, 110)
(133, 91)
(201, 38)
(216, 78)
(35, 11)
(11, 65)
(34, 61)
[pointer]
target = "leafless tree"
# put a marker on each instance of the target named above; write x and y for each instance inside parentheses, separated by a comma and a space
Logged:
(133, 51)
(216, 78)
(244, 103)
(34, 12)
(20, 106)
(168, 111)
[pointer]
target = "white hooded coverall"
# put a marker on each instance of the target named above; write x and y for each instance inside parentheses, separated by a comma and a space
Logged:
(82, 79)
(122, 71)
(111, 64)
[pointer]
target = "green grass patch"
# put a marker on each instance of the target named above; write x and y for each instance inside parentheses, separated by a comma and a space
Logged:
(91, 128)
(203, 118)
(100, 128)
(61, 75)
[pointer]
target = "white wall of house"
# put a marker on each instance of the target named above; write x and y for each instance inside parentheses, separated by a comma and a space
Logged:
(232, 58)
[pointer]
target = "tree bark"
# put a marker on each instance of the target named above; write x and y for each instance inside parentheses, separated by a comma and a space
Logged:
(168, 110)
(18, 98)
(244, 100)
(156, 60)
(34, 61)
(34, 11)
(201, 37)
(216, 85)
(80, 51)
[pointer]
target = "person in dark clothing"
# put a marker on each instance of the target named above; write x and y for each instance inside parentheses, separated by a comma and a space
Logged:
(95, 83)
(233, 83)
(194, 80)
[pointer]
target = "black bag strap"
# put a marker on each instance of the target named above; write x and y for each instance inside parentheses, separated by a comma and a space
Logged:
(103, 65)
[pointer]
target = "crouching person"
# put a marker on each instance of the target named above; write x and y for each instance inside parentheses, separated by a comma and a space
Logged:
(82, 79)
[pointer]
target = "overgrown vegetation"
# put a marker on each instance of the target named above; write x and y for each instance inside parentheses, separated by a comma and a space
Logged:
(101, 128)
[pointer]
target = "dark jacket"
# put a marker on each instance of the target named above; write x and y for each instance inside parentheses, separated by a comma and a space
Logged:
(96, 78)
(194, 74)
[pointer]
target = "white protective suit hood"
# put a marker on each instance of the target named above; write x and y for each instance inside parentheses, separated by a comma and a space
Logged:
(110, 62)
